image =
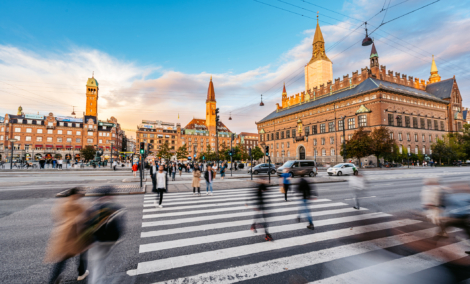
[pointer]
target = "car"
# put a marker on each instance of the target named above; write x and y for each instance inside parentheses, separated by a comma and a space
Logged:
(299, 168)
(263, 168)
(343, 169)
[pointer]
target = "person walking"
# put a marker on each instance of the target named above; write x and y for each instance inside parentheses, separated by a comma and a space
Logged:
(222, 171)
(153, 175)
(285, 182)
(260, 217)
(358, 185)
(66, 240)
(59, 163)
(304, 189)
(235, 165)
(180, 168)
(196, 181)
(135, 167)
(209, 176)
(114, 165)
(162, 185)
(173, 171)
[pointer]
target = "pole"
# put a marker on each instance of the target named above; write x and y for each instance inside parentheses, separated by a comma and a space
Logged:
(269, 168)
(11, 158)
(344, 141)
(231, 151)
(141, 169)
(251, 166)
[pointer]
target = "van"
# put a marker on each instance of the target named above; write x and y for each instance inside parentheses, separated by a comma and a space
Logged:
(299, 168)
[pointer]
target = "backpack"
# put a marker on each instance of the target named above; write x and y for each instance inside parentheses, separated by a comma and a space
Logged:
(107, 220)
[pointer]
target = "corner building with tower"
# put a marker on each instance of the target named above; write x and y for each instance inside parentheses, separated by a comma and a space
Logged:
(310, 124)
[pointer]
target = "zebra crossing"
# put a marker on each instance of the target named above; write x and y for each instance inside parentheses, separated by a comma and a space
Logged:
(207, 239)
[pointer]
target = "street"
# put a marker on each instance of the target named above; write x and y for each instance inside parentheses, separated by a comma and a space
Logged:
(207, 239)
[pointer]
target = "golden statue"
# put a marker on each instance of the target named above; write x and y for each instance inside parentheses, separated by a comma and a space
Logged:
(20, 110)
(299, 125)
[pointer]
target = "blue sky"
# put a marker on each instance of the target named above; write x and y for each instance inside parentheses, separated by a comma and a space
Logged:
(153, 59)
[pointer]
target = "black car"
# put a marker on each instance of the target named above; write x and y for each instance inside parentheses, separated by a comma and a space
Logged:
(263, 168)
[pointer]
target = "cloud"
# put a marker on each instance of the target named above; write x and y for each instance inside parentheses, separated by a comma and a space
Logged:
(55, 81)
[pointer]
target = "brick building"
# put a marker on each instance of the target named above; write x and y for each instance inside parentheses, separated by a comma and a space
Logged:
(156, 133)
(309, 125)
(40, 136)
(247, 140)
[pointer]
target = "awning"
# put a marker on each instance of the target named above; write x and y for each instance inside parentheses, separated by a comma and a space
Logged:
(59, 146)
(49, 146)
(38, 146)
(68, 147)
(107, 148)
(78, 147)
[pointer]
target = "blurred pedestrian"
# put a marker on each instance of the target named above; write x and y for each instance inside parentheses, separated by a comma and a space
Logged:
(162, 185)
(153, 175)
(67, 239)
(260, 217)
(357, 184)
(106, 221)
(222, 170)
(285, 182)
(209, 176)
(305, 191)
(173, 171)
(114, 165)
(180, 169)
(59, 163)
(196, 181)
(135, 167)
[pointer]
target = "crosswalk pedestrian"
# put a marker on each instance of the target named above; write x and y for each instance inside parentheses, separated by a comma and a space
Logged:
(208, 240)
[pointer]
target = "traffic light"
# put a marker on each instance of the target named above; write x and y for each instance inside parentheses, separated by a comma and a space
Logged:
(142, 148)
(203, 157)
(217, 117)
(249, 152)
(267, 151)
(233, 136)
(230, 153)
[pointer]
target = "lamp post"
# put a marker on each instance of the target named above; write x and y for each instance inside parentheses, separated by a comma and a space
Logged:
(344, 139)
(12, 141)
(112, 144)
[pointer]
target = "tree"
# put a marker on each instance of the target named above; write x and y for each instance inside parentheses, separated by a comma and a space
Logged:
(257, 153)
(223, 152)
(440, 150)
(244, 155)
(182, 152)
(88, 153)
(164, 151)
(381, 144)
(359, 146)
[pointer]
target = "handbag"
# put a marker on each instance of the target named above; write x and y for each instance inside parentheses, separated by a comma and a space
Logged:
(282, 190)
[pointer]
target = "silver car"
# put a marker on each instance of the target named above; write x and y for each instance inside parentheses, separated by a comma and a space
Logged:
(299, 168)
(343, 169)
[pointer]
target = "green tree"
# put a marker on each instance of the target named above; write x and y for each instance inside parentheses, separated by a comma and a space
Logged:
(359, 146)
(88, 153)
(164, 151)
(381, 144)
(257, 153)
(223, 151)
(182, 152)
(244, 155)
(236, 153)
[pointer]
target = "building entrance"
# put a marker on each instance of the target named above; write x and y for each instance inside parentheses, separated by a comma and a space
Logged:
(302, 153)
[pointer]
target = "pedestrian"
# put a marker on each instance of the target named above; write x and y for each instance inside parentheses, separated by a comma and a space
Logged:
(304, 189)
(260, 217)
(114, 165)
(135, 167)
(162, 185)
(357, 184)
(153, 175)
(173, 171)
(66, 239)
(54, 163)
(222, 171)
(235, 165)
(59, 163)
(209, 176)
(285, 182)
(106, 221)
(196, 181)
(180, 168)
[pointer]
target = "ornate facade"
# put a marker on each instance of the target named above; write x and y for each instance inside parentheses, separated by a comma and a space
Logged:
(310, 125)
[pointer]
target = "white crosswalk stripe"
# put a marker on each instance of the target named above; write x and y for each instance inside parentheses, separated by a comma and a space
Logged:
(197, 232)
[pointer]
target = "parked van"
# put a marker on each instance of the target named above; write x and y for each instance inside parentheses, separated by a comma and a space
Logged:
(299, 168)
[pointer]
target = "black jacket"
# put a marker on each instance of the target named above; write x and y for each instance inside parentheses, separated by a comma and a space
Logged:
(166, 182)
(304, 189)
(206, 175)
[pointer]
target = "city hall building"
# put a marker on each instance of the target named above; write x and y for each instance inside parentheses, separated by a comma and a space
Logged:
(48, 136)
(310, 124)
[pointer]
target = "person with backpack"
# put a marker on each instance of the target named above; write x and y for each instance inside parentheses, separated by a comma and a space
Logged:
(304, 190)
(68, 238)
(106, 221)
(285, 182)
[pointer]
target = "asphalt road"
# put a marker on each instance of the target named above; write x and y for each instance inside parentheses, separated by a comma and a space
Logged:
(179, 250)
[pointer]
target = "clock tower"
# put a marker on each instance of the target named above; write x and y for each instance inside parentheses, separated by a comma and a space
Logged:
(92, 97)
(211, 105)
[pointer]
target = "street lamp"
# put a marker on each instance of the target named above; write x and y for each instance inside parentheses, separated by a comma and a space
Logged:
(12, 141)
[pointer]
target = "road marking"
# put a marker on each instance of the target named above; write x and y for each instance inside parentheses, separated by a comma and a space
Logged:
(362, 197)
(274, 266)
(162, 213)
(234, 215)
(246, 233)
(400, 267)
(223, 225)
(221, 254)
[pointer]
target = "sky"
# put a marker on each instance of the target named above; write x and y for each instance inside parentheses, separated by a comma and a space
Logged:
(153, 59)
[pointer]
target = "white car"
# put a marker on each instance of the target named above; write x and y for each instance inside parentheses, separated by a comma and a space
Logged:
(343, 169)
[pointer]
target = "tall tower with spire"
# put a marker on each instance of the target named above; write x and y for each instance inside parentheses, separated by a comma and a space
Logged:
(211, 105)
(374, 61)
(435, 77)
(92, 97)
(319, 69)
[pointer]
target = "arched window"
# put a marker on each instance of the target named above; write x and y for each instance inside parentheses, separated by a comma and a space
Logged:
(323, 152)
(332, 151)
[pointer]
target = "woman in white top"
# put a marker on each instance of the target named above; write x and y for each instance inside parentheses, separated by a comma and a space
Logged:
(162, 185)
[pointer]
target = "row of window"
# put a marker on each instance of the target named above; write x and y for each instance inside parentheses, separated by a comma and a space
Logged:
(408, 137)
(49, 131)
(423, 123)
(351, 123)
(157, 136)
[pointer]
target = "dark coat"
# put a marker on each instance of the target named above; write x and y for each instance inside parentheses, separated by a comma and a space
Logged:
(305, 190)
(166, 183)
(206, 175)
